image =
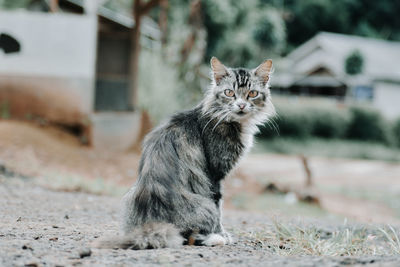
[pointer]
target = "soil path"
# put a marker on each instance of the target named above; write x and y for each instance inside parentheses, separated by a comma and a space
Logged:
(39, 227)
(351, 188)
(358, 189)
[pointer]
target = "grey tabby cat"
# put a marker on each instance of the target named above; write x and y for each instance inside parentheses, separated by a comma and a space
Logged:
(177, 197)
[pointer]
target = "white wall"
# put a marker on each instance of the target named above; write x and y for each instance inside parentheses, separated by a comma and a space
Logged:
(54, 46)
(387, 99)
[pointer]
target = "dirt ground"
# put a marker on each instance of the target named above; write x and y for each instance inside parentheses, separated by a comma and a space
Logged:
(43, 227)
(39, 227)
(35, 150)
(357, 189)
(349, 188)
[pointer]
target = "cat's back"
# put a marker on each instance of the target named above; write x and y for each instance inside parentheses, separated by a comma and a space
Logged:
(188, 120)
(184, 122)
(180, 127)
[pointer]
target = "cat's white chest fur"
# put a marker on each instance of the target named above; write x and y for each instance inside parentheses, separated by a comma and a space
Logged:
(249, 128)
(247, 140)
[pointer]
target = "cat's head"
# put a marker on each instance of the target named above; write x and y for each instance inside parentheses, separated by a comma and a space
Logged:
(238, 94)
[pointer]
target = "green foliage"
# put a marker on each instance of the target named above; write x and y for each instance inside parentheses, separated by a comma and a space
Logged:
(301, 121)
(329, 122)
(161, 92)
(368, 18)
(368, 125)
(309, 17)
(13, 4)
(292, 122)
(354, 63)
(240, 31)
(335, 148)
(396, 132)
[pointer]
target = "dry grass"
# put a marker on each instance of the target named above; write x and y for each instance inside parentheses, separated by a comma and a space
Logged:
(392, 238)
(294, 240)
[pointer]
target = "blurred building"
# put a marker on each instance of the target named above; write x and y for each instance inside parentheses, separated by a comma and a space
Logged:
(72, 67)
(318, 68)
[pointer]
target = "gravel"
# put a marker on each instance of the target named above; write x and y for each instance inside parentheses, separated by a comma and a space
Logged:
(40, 227)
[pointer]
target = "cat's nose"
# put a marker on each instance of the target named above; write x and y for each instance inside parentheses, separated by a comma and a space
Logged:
(242, 106)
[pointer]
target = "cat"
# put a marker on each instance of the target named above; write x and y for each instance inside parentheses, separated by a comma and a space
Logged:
(177, 198)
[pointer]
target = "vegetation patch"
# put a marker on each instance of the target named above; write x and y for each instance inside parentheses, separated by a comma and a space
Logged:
(298, 240)
(335, 148)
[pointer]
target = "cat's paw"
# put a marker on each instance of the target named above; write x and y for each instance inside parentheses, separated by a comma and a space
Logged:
(228, 238)
(214, 240)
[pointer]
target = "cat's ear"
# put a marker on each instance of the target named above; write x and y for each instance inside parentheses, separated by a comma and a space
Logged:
(264, 70)
(219, 71)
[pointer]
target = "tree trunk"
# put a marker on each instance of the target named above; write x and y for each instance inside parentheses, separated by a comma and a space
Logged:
(53, 6)
(163, 21)
(307, 170)
(139, 9)
(134, 54)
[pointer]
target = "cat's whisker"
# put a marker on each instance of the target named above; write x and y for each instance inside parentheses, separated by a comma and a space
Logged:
(276, 126)
(220, 120)
(207, 125)
(215, 116)
(208, 112)
(273, 125)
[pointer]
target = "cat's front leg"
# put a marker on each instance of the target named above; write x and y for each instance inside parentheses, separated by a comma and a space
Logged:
(219, 231)
(224, 233)
(227, 236)
(214, 240)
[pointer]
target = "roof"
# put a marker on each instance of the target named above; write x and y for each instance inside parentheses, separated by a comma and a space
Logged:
(149, 27)
(330, 50)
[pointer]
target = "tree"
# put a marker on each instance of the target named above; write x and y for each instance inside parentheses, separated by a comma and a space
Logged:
(140, 9)
(368, 18)
(354, 63)
(307, 18)
(239, 32)
(12, 4)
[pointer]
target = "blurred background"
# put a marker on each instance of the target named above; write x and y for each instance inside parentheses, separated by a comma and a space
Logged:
(83, 81)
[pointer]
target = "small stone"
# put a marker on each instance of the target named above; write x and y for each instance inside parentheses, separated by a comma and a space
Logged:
(19, 219)
(86, 252)
(27, 247)
(36, 237)
(66, 216)
(31, 264)
(55, 226)
(53, 238)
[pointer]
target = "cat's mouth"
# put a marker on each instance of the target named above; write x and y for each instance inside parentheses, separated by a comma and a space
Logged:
(241, 113)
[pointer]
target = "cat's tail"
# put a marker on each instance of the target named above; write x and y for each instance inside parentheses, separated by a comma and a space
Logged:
(148, 236)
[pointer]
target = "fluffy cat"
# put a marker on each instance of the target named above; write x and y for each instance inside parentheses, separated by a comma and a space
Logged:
(177, 198)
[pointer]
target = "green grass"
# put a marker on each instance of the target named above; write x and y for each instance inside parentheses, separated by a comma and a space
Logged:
(329, 148)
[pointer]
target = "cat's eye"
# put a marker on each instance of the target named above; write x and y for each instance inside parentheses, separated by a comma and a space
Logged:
(253, 93)
(229, 92)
